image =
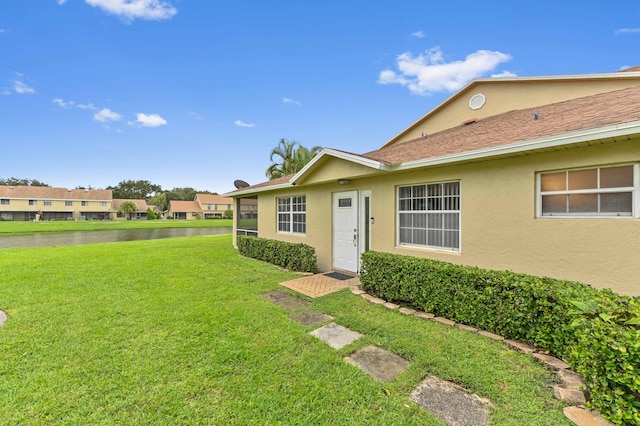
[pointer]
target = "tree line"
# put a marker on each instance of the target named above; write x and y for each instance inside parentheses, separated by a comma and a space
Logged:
(288, 157)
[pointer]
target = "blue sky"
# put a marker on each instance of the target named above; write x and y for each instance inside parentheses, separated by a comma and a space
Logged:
(197, 92)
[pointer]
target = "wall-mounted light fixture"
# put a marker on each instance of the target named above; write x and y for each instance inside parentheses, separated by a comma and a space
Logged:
(343, 181)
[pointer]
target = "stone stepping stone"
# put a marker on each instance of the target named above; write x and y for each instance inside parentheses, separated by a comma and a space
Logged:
(310, 318)
(380, 364)
(285, 300)
(292, 303)
(3, 317)
(275, 296)
(336, 335)
(451, 403)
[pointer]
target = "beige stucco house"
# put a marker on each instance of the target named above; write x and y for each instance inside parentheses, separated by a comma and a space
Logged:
(141, 213)
(214, 206)
(22, 203)
(204, 206)
(538, 175)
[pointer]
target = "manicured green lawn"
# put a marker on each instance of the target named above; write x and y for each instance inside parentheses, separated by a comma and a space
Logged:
(173, 332)
(7, 228)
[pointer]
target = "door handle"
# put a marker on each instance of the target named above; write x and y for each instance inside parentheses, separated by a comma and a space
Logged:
(355, 238)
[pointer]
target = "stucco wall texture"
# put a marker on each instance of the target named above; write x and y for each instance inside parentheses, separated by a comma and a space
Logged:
(499, 227)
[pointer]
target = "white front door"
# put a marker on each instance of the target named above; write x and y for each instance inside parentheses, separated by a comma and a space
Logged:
(345, 231)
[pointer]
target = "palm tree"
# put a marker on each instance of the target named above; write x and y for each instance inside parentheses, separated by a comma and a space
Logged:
(127, 208)
(289, 157)
(303, 155)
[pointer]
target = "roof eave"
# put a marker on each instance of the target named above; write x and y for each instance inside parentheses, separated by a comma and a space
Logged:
(251, 191)
(613, 131)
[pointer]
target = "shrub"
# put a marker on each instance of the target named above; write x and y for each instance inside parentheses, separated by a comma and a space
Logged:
(602, 344)
(607, 355)
(297, 257)
(516, 306)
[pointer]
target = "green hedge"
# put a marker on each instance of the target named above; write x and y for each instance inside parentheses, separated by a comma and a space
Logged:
(516, 306)
(602, 344)
(607, 355)
(297, 257)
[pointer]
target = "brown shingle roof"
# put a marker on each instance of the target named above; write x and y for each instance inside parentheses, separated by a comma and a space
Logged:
(45, 192)
(575, 115)
(184, 206)
(616, 107)
(632, 69)
(214, 199)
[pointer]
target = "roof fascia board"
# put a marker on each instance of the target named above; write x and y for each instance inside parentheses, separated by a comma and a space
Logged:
(337, 154)
(475, 81)
(235, 194)
(617, 130)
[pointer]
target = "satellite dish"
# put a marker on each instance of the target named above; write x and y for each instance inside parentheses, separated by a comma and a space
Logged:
(239, 184)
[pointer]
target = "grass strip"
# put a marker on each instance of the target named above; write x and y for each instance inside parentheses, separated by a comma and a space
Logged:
(174, 332)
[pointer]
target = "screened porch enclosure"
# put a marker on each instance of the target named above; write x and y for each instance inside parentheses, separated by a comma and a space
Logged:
(247, 216)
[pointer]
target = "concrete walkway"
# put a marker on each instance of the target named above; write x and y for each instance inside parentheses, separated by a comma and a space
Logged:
(319, 284)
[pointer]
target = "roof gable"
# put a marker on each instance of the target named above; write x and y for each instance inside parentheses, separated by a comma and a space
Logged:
(563, 118)
(592, 119)
(500, 95)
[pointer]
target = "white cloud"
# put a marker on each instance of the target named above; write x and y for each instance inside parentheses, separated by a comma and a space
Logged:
(19, 86)
(290, 101)
(627, 31)
(2, 30)
(22, 88)
(418, 34)
(61, 103)
(504, 74)
(106, 115)
(61, 1)
(90, 106)
(240, 123)
(149, 120)
(136, 9)
(195, 115)
(428, 73)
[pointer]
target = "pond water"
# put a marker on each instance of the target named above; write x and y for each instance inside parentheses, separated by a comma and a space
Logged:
(93, 237)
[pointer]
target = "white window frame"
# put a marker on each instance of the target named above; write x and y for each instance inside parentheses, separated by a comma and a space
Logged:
(634, 190)
(286, 213)
(426, 212)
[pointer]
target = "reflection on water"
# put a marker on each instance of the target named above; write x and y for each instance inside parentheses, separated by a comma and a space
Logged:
(94, 237)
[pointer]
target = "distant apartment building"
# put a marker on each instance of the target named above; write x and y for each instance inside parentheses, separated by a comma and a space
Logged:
(204, 206)
(27, 203)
